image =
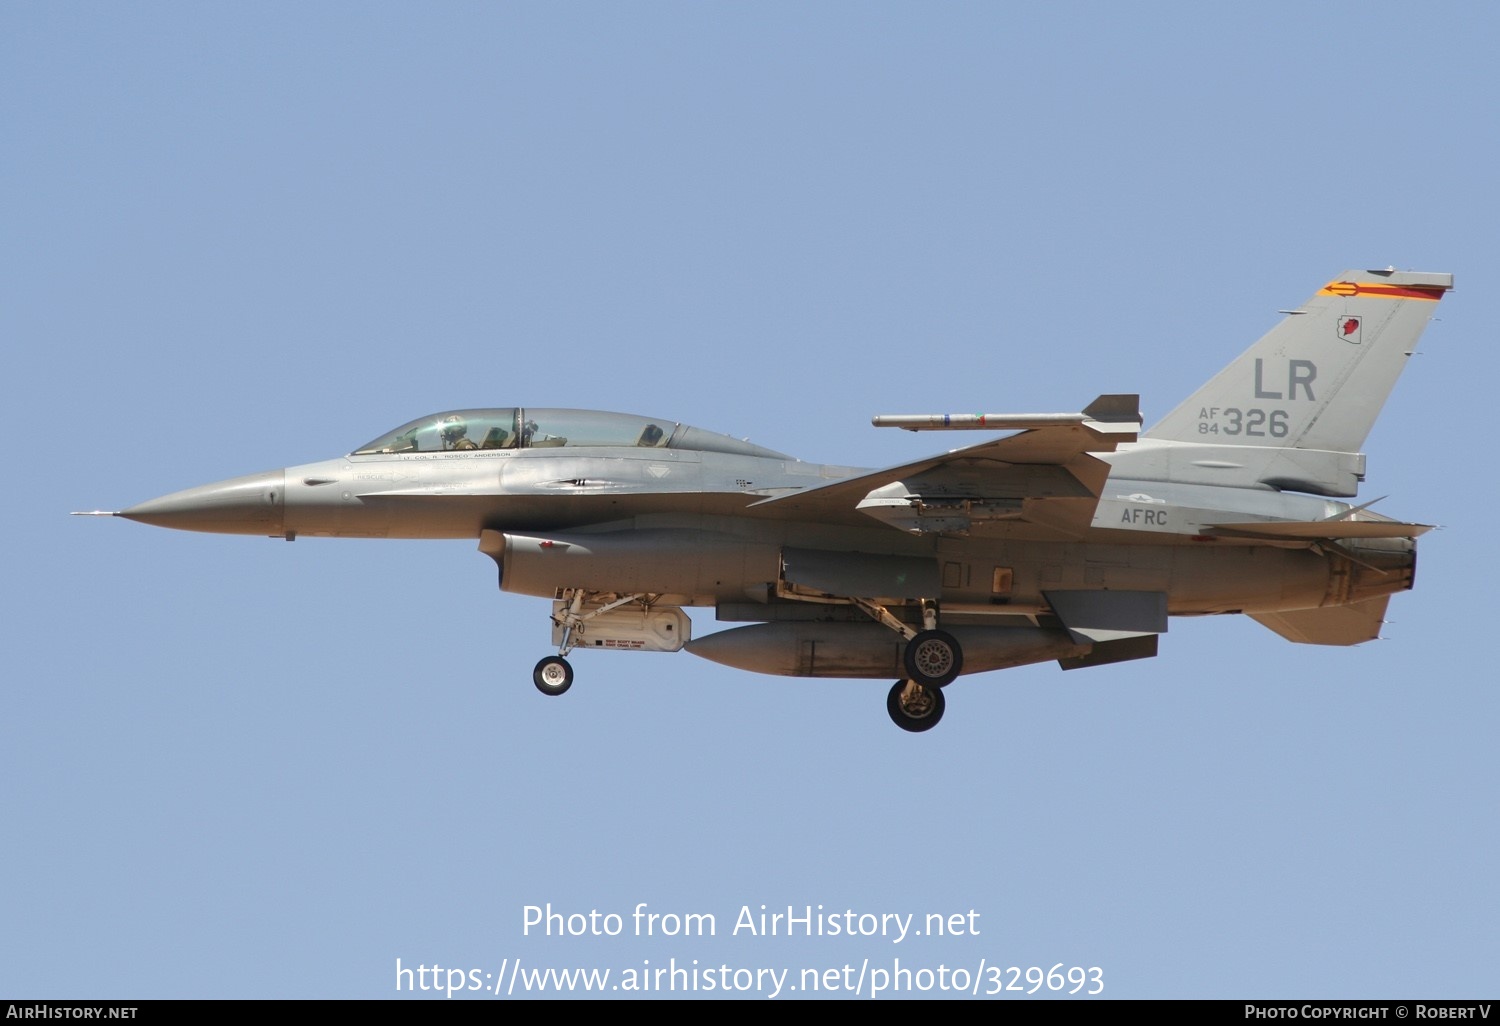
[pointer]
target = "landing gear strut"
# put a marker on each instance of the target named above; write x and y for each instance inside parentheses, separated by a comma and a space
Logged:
(553, 675)
(914, 707)
(932, 658)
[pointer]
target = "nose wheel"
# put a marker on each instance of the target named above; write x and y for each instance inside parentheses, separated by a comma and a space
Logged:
(914, 707)
(552, 675)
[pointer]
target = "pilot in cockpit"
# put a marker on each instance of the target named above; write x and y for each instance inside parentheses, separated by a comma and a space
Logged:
(456, 434)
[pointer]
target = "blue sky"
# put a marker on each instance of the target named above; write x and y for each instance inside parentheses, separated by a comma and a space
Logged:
(243, 237)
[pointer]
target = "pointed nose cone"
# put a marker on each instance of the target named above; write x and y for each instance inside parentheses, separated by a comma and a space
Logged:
(241, 505)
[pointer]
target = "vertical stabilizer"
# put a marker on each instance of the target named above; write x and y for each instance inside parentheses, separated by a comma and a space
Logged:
(1319, 378)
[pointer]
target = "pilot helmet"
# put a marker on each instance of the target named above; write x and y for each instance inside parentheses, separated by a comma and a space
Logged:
(454, 429)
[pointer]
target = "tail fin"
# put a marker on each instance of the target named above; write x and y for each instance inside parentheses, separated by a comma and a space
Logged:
(1319, 378)
(1293, 411)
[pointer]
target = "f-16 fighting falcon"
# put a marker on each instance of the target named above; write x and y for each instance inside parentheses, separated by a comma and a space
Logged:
(1074, 536)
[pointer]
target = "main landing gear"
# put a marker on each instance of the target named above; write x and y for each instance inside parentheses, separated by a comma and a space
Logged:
(914, 707)
(933, 659)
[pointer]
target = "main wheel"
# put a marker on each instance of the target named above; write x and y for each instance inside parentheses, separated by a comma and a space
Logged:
(933, 659)
(918, 711)
(552, 675)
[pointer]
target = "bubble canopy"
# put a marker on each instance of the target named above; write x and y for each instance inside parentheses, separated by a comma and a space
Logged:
(531, 428)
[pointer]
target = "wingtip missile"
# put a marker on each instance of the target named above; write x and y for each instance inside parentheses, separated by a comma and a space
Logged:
(1109, 414)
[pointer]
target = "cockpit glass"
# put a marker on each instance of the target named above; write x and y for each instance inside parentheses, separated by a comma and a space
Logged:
(449, 432)
(460, 430)
(548, 428)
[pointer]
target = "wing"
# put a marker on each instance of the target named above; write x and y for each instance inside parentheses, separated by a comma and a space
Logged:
(1043, 482)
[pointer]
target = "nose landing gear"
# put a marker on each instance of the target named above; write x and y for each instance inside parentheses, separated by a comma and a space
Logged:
(553, 675)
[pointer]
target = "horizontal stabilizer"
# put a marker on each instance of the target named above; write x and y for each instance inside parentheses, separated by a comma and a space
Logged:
(1330, 625)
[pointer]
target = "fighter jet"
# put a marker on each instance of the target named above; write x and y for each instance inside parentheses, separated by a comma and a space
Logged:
(1072, 536)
